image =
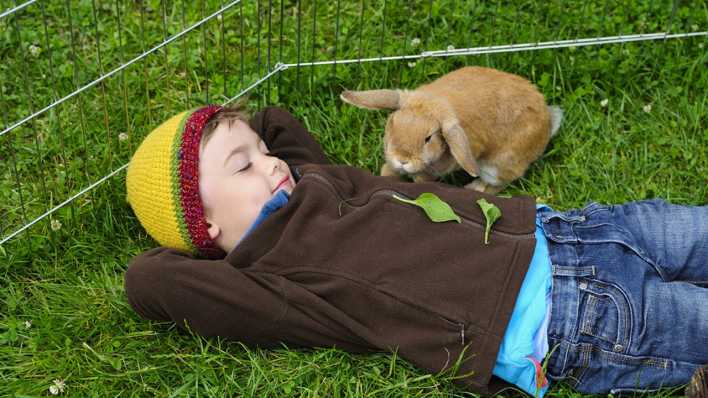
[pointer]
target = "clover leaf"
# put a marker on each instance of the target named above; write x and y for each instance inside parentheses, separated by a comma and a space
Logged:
(491, 213)
(436, 209)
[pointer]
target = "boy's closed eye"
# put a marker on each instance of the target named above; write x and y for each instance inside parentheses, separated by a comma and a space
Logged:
(244, 168)
(237, 162)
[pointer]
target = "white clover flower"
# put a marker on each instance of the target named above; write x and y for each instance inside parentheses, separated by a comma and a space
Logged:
(450, 48)
(646, 108)
(60, 384)
(34, 50)
(56, 225)
(57, 387)
(604, 103)
(122, 136)
(415, 42)
(219, 17)
(411, 64)
(694, 27)
(28, 324)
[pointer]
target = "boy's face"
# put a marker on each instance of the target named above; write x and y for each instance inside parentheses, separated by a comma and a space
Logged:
(236, 178)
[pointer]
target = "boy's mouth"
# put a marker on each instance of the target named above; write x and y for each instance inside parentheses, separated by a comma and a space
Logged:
(282, 183)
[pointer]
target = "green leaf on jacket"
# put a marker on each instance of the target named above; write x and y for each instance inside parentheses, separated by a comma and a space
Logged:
(491, 213)
(436, 208)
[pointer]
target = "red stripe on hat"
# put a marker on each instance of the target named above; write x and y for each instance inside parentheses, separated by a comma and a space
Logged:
(192, 207)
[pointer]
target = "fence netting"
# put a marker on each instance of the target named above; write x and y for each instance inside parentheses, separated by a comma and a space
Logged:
(82, 82)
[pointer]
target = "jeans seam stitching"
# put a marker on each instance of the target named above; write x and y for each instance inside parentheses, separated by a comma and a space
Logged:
(590, 314)
(626, 359)
(593, 208)
(570, 271)
(585, 354)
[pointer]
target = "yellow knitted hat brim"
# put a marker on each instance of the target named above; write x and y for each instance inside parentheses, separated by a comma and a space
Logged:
(150, 184)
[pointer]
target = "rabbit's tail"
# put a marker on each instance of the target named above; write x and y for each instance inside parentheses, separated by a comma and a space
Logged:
(556, 118)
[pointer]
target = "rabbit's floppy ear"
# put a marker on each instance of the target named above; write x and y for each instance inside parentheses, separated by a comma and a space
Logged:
(460, 147)
(373, 99)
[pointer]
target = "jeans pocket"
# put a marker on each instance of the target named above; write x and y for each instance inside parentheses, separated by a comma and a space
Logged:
(605, 315)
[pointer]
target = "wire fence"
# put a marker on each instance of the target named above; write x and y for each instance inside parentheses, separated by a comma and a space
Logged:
(81, 83)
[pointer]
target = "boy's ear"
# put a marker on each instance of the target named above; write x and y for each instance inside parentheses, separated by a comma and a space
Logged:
(214, 230)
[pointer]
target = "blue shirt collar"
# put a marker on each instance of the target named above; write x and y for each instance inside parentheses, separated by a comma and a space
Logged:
(276, 202)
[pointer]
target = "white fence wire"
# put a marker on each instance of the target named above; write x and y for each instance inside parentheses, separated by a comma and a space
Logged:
(61, 59)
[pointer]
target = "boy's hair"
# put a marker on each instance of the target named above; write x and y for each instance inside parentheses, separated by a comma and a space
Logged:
(163, 179)
(229, 113)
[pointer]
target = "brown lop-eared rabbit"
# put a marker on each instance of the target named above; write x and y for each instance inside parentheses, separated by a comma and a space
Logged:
(491, 123)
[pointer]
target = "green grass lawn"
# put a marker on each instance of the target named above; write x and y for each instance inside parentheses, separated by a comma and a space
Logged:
(636, 127)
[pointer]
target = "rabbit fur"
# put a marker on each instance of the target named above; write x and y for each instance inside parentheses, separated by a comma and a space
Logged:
(491, 123)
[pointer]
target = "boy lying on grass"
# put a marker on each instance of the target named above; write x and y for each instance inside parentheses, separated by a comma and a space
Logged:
(266, 242)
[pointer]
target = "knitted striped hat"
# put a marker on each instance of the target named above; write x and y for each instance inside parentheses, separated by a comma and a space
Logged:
(163, 184)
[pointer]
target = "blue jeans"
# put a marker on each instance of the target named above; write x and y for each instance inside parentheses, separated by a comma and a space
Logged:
(630, 295)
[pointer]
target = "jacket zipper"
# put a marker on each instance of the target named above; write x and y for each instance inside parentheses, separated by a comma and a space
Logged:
(391, 192)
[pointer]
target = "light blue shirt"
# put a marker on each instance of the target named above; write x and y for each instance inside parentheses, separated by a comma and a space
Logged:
(525, 342)
(279, 200)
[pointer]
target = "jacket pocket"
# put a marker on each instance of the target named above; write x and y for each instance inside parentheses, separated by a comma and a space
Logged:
(349, 298)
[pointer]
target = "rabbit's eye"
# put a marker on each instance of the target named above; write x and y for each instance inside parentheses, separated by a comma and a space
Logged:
(427, 139)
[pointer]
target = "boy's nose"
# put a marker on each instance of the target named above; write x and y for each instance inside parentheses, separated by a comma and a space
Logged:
(274, 166)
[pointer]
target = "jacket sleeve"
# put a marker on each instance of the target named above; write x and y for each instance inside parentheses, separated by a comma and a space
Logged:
(287, 138)
(208, 297)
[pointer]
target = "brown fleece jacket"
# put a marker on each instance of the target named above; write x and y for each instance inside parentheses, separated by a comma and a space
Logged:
(345, 264)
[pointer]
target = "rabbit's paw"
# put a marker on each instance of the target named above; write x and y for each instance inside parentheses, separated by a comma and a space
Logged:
(387, 171)
(477, 185)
